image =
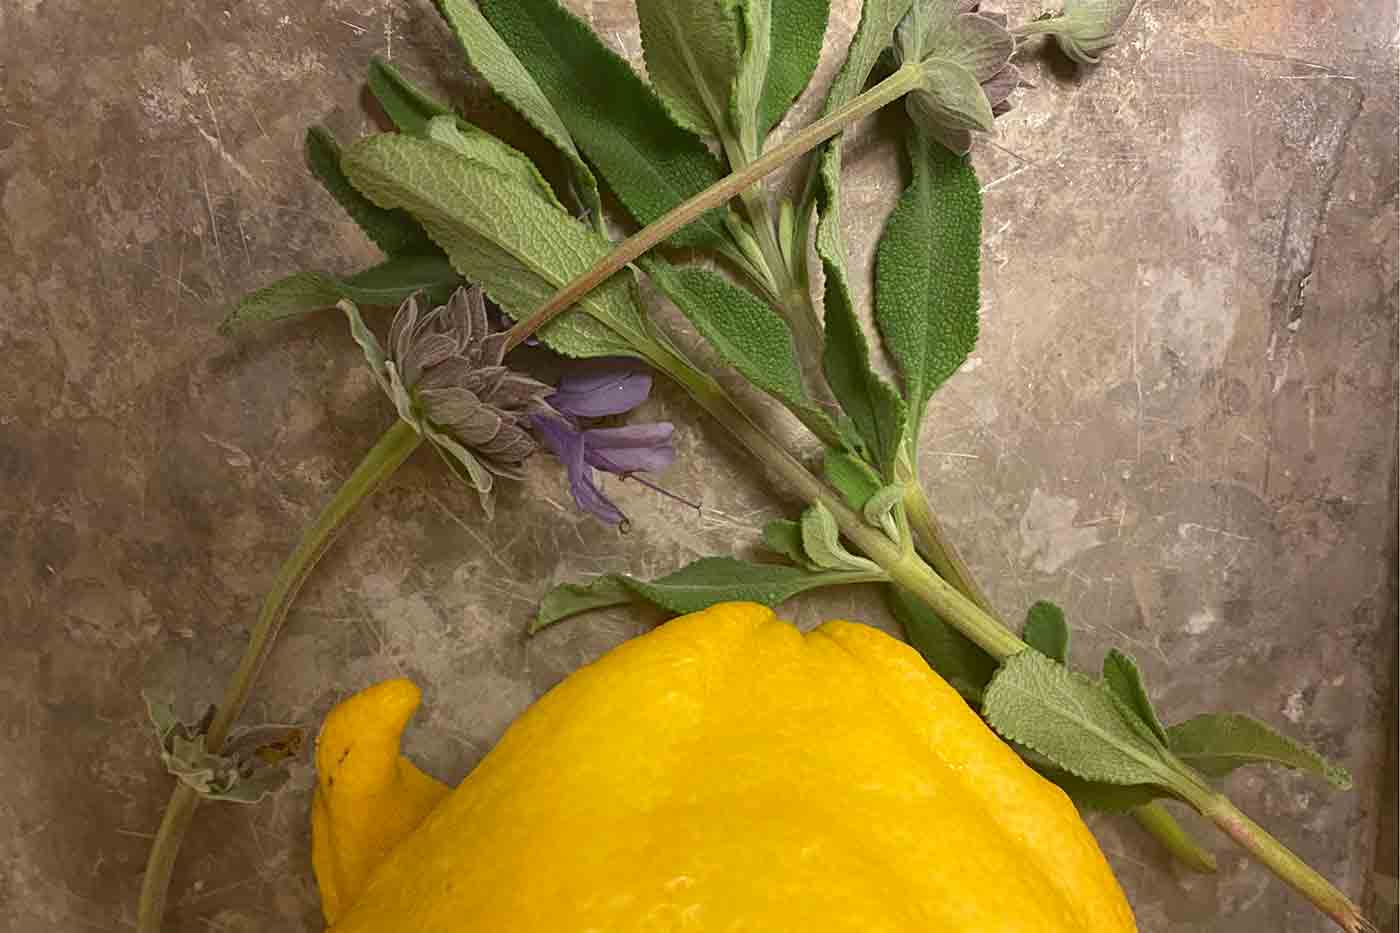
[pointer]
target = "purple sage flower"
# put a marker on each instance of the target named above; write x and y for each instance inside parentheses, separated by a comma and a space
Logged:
(597, 388)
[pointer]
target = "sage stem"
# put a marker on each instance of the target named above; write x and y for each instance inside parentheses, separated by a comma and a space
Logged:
(393, 448)
(887, 91)
(1279, 859)
(936, 546)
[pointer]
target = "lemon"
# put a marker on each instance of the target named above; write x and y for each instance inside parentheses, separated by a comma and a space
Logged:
(724, 772)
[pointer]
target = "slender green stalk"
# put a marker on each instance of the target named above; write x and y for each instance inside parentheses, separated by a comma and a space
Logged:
(1154, 818)
(943, 556)
(1277, 857)
(936, 546)
(887, 91)
(393, 448)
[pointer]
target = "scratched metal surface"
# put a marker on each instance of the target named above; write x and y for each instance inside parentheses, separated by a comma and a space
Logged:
(1179, 423)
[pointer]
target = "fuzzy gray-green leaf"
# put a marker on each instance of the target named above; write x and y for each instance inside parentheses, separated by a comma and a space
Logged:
(875, 408)
(394, 232)
(878, 19)
(694, 587)
(784, 537)
(409, 107)
(927, 289)
(797, 28)
(1122, 677)
(692, 56)
(388, 283)
(746, 332)
(1073, 721)
(850, 476)
(1217, 743)
(650, 162)
(1105, 798)
(821, 540)
(480, 146)
(1046, 631)
(496, 61)
(500, 234)
(880, 509)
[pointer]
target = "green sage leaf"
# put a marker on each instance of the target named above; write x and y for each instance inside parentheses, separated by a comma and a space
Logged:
(409, 107)
(784, 537)
(927, 290)
(747, 99)
(694, 587)
(1217, 743)
(850, 476)
(873, 406)
(821, 540)
(878, 19)
(388, 283)
(692, 55)
(1047, 632)
(496, 61)
(650, 162)
(1122, 677)
(500, 234)
(394, 232)
(1105, 798)
(797, 28)
(1073, 721)
(482, 147)
(879, 509)
(746, 332)
(955, 657)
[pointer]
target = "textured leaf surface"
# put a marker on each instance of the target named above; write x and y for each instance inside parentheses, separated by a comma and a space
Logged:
(878, 19)
(926, 273)
(495, 61)
(956, 658)
(1122, 677)
(821, 540)
(873, 406)
(1047, 632)
(784, 537)
(747, 333)
(1218, 743)
(409, 107)
(499, 233)
(1071, 720)
(394, 232)
(850, 476)
(694, 587)
(746, 102)
(797, 28)
(480, 146)
(1106, 798)
(650, 162)
(388, 283)
(692, 55)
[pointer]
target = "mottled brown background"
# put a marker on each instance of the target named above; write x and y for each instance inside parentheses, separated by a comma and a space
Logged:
(1180, 423)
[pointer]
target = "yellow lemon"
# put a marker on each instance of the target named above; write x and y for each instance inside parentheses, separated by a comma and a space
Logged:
(723, 773)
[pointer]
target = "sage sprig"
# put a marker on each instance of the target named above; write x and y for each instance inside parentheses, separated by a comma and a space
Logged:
(449, 203)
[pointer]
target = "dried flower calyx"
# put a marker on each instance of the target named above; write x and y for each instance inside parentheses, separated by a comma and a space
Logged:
(965, 56)
(251, 764)
(444, 372)
(1085, 29)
